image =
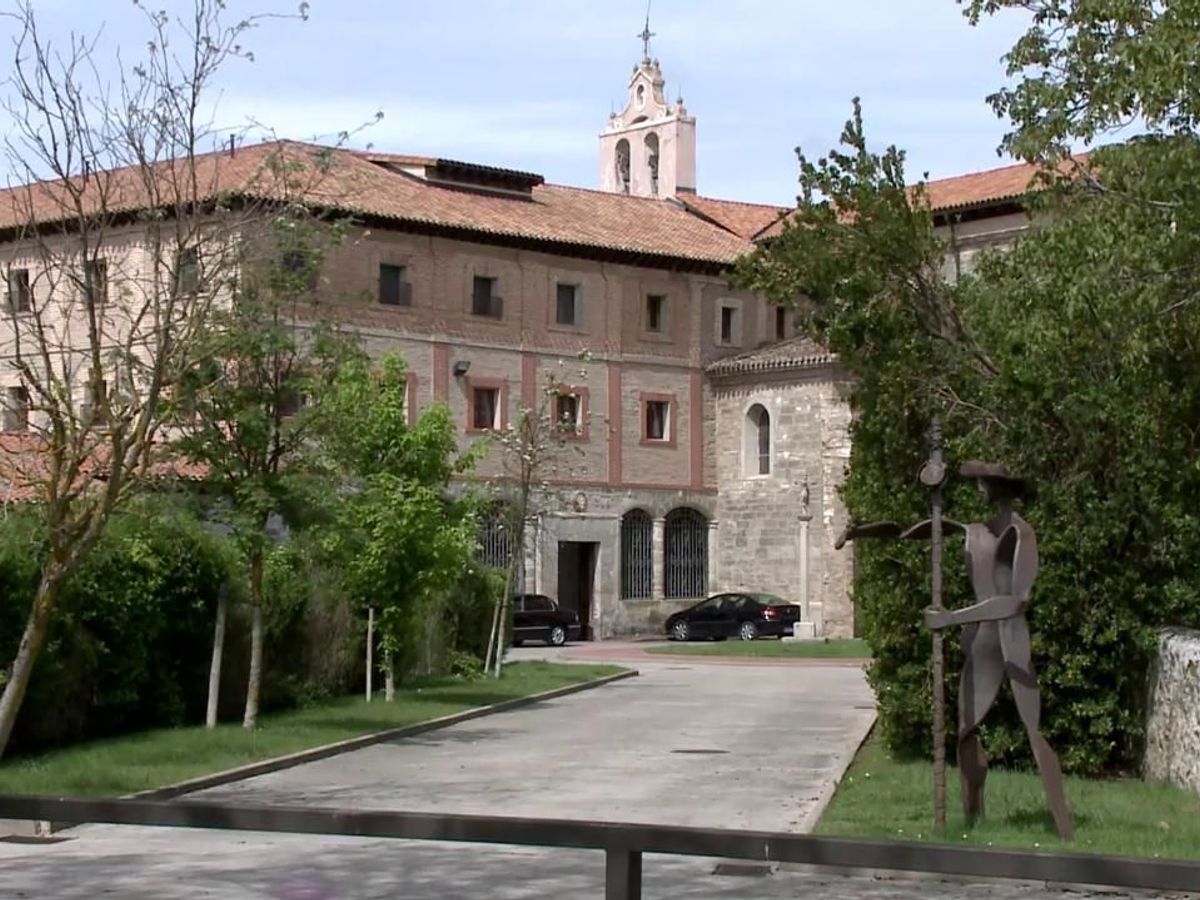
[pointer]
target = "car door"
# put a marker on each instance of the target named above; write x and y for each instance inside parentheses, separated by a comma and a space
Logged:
(705, 618)
(540, 613)
(741, 608)
(523, 629)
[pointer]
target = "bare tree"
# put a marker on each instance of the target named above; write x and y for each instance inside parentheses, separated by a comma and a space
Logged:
(120, 237)
(534, 449)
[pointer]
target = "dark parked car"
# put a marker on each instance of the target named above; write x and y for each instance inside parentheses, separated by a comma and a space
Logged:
(537, 617)
(740, 614)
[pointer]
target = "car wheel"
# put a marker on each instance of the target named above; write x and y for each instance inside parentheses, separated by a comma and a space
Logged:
(748, 631)
(558, 636)
(680, 630)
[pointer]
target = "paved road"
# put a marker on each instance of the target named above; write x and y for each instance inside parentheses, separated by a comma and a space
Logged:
(773, 740)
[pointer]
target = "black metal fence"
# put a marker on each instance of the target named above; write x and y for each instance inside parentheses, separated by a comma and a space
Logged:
(637, 555)
(624, 844)
(686, 554)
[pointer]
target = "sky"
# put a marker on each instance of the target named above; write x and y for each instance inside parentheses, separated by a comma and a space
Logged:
(529, 84)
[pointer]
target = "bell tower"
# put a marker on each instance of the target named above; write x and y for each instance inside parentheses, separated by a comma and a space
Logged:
(649, 148)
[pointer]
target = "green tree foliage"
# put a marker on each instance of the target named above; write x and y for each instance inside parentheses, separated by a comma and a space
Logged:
(1071, 358)
(1086, 68)
(243, 408)
(401, 540)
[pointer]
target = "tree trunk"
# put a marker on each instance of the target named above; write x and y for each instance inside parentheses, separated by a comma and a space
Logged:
(370, 651)
(254, 684)
(389, 678)
(492, 643)
(214, 672)
(34, 637)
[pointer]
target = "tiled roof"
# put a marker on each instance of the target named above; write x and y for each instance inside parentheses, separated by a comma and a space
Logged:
(569, 219)
(743, 219)
(23, 464)
(793, 353)
(990, 186)
(974, 190)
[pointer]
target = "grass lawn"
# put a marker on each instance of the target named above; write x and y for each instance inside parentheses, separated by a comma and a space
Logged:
(843, 649)
(164, 756)
(881, 798)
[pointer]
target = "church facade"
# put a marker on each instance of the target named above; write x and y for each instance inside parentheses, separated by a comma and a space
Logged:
(705, 442)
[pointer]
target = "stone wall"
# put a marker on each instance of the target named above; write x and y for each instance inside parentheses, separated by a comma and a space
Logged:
(762, 517)
(1173, 727)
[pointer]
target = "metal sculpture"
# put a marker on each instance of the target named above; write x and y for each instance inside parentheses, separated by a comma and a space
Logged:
(1002, 563)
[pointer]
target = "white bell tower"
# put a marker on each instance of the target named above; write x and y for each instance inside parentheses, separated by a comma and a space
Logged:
(649, 148)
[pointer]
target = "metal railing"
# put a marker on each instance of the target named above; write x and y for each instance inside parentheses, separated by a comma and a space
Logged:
(623, 844)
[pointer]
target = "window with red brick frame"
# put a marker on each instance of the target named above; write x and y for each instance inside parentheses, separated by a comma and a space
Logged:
(487, 404)
(569, 407)
(658, 415)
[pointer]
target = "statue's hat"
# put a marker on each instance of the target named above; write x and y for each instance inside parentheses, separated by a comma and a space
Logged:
(983, 471)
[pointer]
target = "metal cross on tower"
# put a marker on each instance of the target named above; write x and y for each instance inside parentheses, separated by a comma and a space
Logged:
(646, 35)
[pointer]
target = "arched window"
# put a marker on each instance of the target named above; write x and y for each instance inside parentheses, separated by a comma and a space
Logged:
(637, 555)
(685, 555)
(652, 161)
(622, 163)
(756, 441)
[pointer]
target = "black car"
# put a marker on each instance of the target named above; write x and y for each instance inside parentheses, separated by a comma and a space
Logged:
(537, 617)
(741, 614)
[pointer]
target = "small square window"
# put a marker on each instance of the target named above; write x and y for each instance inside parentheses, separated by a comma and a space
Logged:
(394, 289)
(568, 412)
(567, 307)
(16, 409)
(780, 323)
(656, 307)
(658, 420)
(486, 412)
(19, 296)
(95, 280)
(484, 301)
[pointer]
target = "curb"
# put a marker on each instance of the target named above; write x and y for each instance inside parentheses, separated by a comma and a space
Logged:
(841, 765)
(278, 763)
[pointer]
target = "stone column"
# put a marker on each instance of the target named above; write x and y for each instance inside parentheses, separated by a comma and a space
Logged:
(658, 558)
(805, 614)
(713, 547)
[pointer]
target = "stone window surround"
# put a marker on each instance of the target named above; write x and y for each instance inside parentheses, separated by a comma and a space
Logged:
(583, 393)
(749, 468)
(664, 334)
(498, 384)
(647, 397)
(579, 326)
(405, 263)
(738, 337)
(494, 272)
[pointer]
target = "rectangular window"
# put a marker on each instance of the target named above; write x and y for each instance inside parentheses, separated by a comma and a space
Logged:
(16, 409)
(656, 307)
(486, 414)
(727, 313)
(484, 301)
(394, 290)
(567, 310)
(780, 323)
(19, 297)
(187, 270)
(568, 412)
(658, 420)
(95, 280)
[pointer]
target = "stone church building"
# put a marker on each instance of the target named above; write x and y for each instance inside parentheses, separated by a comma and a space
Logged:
(707, 440)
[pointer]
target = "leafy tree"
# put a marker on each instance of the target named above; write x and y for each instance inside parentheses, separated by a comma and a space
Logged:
(1072, 358)
(1087, 69)
(96, 334)
(401, 539)
(242, 409)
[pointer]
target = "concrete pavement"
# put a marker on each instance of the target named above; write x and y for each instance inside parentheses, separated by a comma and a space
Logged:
(684, 743)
